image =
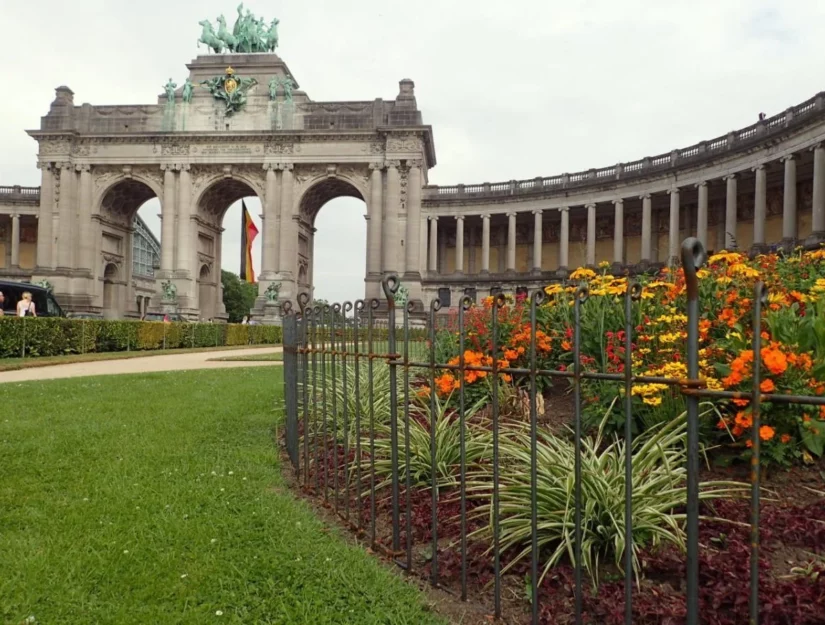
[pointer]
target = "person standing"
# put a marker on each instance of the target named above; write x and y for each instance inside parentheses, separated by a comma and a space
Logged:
(26, 307)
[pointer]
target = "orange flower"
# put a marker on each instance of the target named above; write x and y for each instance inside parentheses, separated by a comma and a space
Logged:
(749, 443)
(774, 360)
(566, 346)
(424, 391)
(737, 430)
(785, 438)
(511, 354)
(767, 386)
(446, 383)
(766, 432)
(741, 402)
(721, 424)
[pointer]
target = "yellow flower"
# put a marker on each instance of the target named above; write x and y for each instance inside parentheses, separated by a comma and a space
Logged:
(582, 273)
(652, 401)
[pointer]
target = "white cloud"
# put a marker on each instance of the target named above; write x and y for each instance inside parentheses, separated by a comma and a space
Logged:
(513, 90)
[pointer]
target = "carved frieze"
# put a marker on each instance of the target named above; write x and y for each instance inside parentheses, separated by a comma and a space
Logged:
(174, 149)
(281, 145)
(58, 146)
(403, 143)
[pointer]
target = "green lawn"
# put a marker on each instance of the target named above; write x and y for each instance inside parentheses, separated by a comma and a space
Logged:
(158, 499)
(270, 357)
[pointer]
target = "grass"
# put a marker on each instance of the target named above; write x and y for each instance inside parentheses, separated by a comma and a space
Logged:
(270, 357)
(13, 364)
(158, 499)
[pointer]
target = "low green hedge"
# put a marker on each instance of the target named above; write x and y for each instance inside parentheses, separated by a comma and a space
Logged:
(22, 336)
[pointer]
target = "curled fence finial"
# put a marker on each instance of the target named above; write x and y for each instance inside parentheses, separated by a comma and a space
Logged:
(410, 306)
(286, 308)
(539, 296)
(500, 300)
(582, 293)
(693, 257)
(635, 289)
(303, 300)
(435, 305)
(327, 308)
(760, 292)
(336, 308)
(317, 310)
(390, 285)
(467, 302)
(360, 305)
(346, 306)
(375, 303)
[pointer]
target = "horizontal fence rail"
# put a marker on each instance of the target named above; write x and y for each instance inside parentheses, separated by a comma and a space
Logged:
(376, 413)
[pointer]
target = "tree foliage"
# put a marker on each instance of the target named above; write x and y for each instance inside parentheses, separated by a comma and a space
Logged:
(238, 296)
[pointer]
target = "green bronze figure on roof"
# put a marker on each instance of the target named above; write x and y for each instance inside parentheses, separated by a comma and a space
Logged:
(249, 34)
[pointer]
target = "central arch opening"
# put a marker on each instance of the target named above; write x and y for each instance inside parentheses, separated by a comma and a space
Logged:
(332, 244)
(222, 292)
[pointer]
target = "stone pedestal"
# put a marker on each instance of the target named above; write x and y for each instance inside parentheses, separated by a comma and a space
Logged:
(272, 314)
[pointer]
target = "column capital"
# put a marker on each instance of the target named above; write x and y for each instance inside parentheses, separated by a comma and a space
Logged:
(485, 216)
(393, 164)
(459, 217)
(759, 167)
(167, 167)
(619, 202)
(45, 165)
(511, 214)
(433, 217)
(729, 177)
(699, 185)
(269, 167)
(81, 167)
(538, 211)
(673, 191)
(788, 158)
(287, 166)
(377, 166)
(183, 167)
(817, 146)
(590, 205)
(15, 216)
(416, 162)
(564, 209)
(644, 196)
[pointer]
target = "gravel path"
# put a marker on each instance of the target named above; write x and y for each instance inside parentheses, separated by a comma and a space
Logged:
(149, 364)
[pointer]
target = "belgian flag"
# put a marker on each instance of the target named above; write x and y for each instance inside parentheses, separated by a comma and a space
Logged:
(248, 234)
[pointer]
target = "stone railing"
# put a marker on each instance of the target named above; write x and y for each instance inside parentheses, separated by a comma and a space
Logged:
(796, 116)
(17, 193)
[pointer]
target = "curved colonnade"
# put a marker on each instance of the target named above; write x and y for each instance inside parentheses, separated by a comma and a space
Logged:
(755, 189)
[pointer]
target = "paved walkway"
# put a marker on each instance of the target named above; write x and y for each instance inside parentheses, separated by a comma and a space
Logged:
(148, 364)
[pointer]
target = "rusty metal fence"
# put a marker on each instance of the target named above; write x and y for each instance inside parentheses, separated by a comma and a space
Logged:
(335, 357)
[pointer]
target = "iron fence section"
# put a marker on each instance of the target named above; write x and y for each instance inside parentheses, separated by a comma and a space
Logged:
(330, 349)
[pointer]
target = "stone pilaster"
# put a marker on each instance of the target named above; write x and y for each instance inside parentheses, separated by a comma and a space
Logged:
(287, 263)
(591, 235)
(760, 209)
(647, 229)
(485, 243)
(392, 205)
(673, 242)
(66, 218)
(511, 241)
(45, 235)
(271, 241)
(789, 230)
(85, 226)
(167, 230)
(818, 206)
(186, 267)
(412, 244)
(702, 214)
(730, 212)
(459, 244)
(537, 226)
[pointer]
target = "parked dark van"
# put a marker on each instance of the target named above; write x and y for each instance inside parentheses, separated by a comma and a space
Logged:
(45, 305)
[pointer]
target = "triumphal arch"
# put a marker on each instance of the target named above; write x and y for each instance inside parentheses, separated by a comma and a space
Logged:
(238, 125)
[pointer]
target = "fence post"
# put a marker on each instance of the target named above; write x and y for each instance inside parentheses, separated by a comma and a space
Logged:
(23, 345)
(693, 257)
(291, 382)
(390, 285)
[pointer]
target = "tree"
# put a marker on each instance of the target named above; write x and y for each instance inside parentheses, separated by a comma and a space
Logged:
(238, 296)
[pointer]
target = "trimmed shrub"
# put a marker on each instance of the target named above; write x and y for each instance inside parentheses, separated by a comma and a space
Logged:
(44, 336)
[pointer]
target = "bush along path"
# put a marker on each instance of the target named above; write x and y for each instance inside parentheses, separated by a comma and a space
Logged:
(158, 499)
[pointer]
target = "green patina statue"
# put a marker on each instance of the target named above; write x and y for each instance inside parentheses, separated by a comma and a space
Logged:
(188, 89)
(230, 89)
(401, 296)
(272, 291)
(170, 291)
(249, 34)
(273, 88)
(170, 87)
(288, 85)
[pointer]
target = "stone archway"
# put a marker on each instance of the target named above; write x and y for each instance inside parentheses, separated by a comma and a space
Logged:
(206, 293)
(111, 254)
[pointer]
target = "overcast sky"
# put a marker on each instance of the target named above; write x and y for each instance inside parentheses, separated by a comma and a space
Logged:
(512, 89)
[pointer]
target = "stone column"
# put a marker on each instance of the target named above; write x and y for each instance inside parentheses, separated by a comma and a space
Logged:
(760, 208)
(15, 240)
(564, 239)
(374, 255)
(391, 208)
(412, 244)
(433, 244)
(167, 230)
(789, 204)
(730, 213)
(85, 228)
(673, 235)
(618, 233)
(591, 235)
(485, 244)
(288, 262)
(647, 228)
(459, 244)
(702, 214)
(66, 219)
(818, 208)
(271, 241)
(511, 241)
(45, 236)
(187, 245)
(537, 226)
